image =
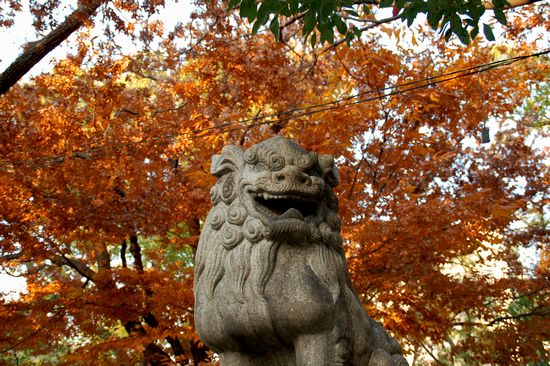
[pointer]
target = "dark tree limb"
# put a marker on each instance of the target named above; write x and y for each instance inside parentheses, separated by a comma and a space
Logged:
(123, 253)
(75, 264)
(375, 23)
(9, 257)
(355, 176)
(102, 257)
(540, 311)
(23, 340)
(35, 51)
(199, 352)
(174, 342)
(488, 4)
(194, 227)
(135, 250)
(176, 345)
(438, 361)
(155, 356)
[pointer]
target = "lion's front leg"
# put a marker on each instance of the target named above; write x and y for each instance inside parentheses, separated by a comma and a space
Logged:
(315, 350)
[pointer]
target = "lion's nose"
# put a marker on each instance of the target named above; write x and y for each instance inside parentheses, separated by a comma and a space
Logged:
(290, 174)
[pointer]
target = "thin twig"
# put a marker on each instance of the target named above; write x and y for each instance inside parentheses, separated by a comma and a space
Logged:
(362, 29)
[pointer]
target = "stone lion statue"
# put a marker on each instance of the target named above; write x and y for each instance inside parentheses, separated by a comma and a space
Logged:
(271, 282)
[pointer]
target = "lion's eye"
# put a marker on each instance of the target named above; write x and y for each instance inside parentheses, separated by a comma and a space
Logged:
(305, 162)
(259, 167)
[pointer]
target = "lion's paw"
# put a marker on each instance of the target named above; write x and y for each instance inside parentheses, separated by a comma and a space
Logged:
(380, 357)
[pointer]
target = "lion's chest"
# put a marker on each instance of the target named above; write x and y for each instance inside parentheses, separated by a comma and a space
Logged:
(296, 300)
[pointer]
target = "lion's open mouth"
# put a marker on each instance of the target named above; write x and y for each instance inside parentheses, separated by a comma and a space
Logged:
(284, 206)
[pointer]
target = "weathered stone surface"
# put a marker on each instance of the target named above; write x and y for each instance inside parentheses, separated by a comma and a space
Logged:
(271, 283)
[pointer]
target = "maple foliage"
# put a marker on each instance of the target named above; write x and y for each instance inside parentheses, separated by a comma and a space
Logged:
(105, 182)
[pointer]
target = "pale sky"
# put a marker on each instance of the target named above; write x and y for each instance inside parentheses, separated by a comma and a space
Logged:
(12, 39)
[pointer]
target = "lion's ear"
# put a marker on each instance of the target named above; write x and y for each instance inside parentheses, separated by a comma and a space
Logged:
(230, 160)
(330, 173)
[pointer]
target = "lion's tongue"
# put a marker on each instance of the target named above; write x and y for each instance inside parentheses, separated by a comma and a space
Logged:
(292, 213)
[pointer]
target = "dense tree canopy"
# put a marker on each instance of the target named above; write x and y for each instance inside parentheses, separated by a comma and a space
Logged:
(104, 182)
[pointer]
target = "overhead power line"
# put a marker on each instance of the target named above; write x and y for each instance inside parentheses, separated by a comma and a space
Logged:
(276, 118)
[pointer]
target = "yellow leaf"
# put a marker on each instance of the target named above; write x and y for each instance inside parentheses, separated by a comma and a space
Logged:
(434, 97)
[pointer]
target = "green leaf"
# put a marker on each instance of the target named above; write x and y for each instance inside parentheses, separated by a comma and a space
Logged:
(463, 36)
(351, 12)
(445, 4)
(456, 23)
(274, 27)
(474, 32)
(330, 36)
(262, 18)
(256, 26)
(325, 11)
(313, 40)
(433, 19)
(499, 15)
(309, 23)
(410, 20)
(233, 4)
(386, 3)
(421, 7)
(248, 10)
(448, 34)
(293, 6)
(488, 32)
(324, 29)
(340, 25)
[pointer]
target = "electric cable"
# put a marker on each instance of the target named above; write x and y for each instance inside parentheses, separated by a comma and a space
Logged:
(280, 117)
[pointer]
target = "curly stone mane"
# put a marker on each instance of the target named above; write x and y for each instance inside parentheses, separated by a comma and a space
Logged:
(270, 248)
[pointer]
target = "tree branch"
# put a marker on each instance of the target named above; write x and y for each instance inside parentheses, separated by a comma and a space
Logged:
(155, 356)
(362, 29)
(23, 340)
(534, 312)
(431, 354)
(171, 109)
(355, 175)
(102, 257)
(35, 51)
(9, 257)
(293, 19)
(123, 253)
(176, 345)
(488, 4)
(75, 264)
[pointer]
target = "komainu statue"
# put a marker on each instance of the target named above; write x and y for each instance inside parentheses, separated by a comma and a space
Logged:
(271, 282)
